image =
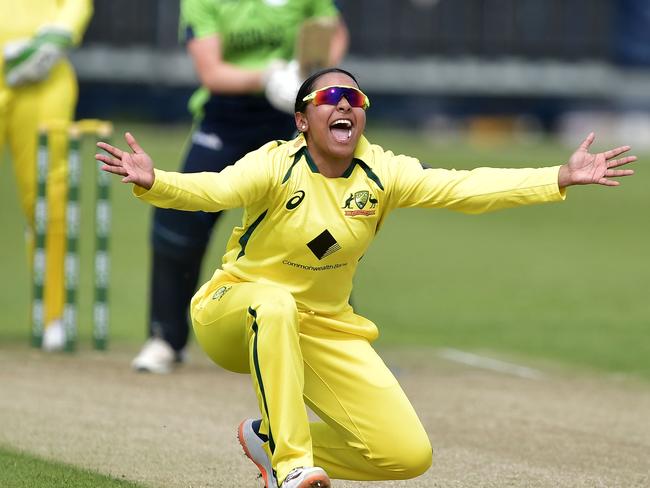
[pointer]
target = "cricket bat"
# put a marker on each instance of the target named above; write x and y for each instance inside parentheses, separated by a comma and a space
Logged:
(313, 44)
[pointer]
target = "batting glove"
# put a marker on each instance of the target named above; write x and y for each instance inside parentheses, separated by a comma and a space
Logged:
(282, 82)
(31, 61)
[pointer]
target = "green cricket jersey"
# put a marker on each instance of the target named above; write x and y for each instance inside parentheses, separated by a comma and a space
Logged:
(306, 232)
(252, 32)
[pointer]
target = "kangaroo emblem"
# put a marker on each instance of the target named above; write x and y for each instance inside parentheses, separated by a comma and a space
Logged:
(348, 202)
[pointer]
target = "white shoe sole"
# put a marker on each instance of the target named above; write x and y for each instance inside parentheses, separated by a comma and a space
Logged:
(315, 480)
(151, 369)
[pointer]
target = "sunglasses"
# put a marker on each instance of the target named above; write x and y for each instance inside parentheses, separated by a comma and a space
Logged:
(331, 95)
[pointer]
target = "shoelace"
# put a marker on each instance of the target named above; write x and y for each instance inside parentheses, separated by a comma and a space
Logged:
(294, 473)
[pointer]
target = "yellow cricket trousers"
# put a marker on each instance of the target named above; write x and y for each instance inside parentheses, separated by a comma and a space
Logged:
(369, 430)
(22, 111)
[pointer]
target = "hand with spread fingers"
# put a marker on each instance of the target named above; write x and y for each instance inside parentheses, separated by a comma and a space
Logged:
(585, 168)
(239, 56)
(135, 167)
(269, 299)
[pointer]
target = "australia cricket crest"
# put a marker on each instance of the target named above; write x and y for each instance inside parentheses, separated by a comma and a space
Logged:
(361, 199)
(221, 291)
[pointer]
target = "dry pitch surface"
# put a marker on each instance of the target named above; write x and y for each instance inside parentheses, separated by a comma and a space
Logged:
(488, 429)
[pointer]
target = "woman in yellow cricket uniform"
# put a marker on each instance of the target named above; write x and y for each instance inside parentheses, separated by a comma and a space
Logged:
(38, 86)
(278, 307)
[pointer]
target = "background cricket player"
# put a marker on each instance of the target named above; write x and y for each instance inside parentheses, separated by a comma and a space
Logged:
(38, 87)
(278, 308)
(243, 53)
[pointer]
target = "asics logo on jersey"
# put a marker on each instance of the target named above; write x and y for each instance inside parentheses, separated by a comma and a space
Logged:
(360, 199)
(295, 200)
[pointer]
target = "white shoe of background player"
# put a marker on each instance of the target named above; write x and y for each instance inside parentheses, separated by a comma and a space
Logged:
(156, 356)
(53, 336)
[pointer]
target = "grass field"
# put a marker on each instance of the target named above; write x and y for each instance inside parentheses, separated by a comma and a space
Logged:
(21, 470)
(565, 284)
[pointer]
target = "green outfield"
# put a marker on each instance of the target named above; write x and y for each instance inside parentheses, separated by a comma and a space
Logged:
(20, 470)
(562, 284)
(566, 283)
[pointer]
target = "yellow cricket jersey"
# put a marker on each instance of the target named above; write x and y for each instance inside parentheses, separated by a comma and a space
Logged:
(306, 232)
(21, 19)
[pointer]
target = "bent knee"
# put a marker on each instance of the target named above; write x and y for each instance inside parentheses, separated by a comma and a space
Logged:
(405, 459)
(413, 462)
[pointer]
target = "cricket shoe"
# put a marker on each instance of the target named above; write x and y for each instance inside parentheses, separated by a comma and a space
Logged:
(253, 445)
(53, 336)
(306, 478)
(156, 356)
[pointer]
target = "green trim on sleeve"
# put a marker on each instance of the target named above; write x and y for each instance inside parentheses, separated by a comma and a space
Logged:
(243, 240)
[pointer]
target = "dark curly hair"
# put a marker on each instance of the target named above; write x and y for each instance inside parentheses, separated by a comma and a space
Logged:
(308, 86)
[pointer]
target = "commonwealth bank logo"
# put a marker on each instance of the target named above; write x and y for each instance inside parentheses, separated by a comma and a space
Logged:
(323, 245)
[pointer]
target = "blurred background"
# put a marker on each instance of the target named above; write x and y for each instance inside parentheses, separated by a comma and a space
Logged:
(457, 83)
(561, 289)
(496, 66)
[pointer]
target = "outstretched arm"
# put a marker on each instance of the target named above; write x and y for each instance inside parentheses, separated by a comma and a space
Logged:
(584, 168)
(136, 167)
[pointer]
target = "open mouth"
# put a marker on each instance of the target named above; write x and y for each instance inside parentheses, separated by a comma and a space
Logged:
(341, 130)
